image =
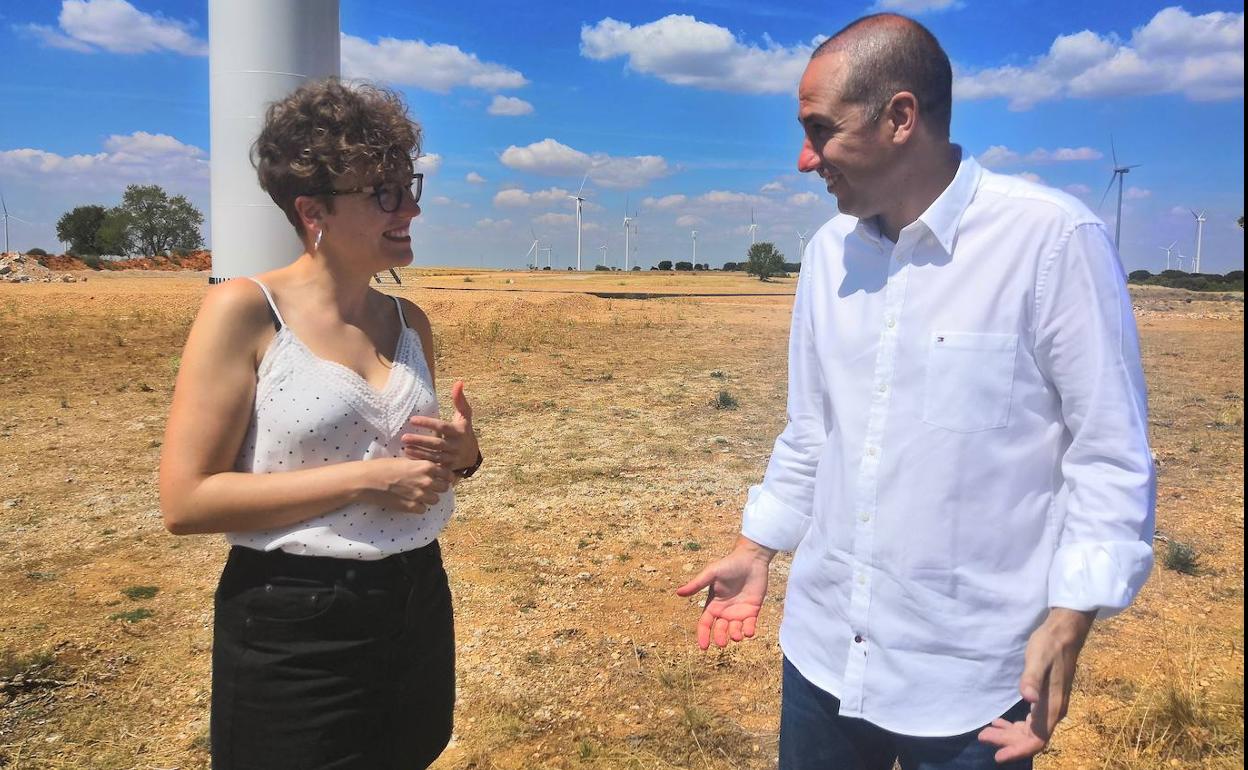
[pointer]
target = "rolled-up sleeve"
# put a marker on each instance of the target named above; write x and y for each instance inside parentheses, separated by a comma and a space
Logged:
(778, 511)
(1088, 347)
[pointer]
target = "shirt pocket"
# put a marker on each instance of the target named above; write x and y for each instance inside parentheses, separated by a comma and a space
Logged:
(970, 378)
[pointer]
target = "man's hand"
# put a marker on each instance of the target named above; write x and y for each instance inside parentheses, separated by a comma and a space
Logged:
(1048, 673)
(452, 444)
(738, 583)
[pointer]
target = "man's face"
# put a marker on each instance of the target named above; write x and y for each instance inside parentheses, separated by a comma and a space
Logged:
(851, 155)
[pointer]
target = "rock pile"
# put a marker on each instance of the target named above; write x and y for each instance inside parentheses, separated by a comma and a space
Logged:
(20, 268)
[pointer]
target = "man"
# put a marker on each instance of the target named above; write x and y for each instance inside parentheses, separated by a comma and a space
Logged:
(965, 475)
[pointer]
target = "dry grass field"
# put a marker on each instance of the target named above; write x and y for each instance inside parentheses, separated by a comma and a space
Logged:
(614, 468)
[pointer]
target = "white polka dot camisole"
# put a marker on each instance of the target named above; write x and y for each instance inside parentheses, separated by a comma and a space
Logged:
(308, 412)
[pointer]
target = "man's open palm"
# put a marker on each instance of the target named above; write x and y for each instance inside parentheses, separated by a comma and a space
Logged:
(738, 584)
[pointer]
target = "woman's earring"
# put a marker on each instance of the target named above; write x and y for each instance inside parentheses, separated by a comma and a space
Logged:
(316, 245)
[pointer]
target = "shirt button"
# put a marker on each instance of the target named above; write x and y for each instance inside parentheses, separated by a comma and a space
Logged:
(891, 322)
(864, 516)
(862, 579)
(858, 639)
(882, 388)
(870, 451)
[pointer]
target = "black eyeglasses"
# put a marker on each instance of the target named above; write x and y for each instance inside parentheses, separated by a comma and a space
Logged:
(389, 195)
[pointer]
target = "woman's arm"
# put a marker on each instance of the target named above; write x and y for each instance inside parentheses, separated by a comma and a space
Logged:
(200, 491)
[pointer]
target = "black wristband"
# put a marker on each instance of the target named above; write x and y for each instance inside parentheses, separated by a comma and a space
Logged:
(464, 473)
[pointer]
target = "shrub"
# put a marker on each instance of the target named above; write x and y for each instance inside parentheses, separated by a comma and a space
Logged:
(725, 400)
(684, 265)
(1181, 557)
(36, 253)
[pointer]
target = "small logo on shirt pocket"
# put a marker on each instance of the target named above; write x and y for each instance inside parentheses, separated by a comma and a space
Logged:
(970, 380)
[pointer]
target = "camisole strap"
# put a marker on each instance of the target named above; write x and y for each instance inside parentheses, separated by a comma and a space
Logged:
(399, 305)
(277, 316)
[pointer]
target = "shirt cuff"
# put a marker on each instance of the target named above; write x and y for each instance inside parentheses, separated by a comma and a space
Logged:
(769, 522)
(1102, 576)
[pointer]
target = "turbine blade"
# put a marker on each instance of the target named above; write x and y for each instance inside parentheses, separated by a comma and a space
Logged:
(1113, 151)
(584, 179)
(1104, 195)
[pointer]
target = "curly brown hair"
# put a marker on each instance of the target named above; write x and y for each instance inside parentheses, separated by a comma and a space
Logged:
(328, 128)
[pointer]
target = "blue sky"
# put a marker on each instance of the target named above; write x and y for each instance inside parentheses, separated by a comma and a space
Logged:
(686, 110)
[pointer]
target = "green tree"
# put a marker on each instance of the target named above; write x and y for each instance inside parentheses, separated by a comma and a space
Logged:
(158, 223)
(765, 260)
(80, 228)
(665, 264)
(114, 235)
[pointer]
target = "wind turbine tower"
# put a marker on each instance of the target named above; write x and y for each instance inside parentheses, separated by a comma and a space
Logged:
(1120, 172)
(532, 250)
(801, 244)
(695, 246)
(627, 221)
(1196, 265)
(579, 201)
(753, 227)
(547, 250)
(1169, 250)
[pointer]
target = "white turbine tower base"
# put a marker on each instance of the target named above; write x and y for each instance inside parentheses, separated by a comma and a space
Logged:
(580, 199)
(258, 52)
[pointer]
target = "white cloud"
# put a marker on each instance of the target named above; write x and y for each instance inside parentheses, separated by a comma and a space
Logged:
(1077, 189)
(516, 198)
(551, 158)
(997, 156)
(429, 163)
(666, 202)
(721, 197)
(509, 105)
(131, 158)
(1200, 57)
(1030, 177)
(473, 177)
(683, 51)
(914, 7)
(493, 223)
(688, 220)
(1136, 193)
(804, 199)
(772, 187)
(434, 67)
(116, 26)
(555, 219)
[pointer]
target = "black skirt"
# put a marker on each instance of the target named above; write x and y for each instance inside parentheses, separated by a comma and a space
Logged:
(332, 663)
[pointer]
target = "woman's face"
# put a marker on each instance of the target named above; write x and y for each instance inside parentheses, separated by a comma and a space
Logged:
(359, 231)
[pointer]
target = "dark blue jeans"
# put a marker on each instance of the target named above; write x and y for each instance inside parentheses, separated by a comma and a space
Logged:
(814, 736)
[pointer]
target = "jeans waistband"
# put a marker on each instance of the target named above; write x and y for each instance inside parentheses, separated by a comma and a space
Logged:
(328, 568)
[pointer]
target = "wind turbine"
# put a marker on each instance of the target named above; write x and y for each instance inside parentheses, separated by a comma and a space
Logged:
(603, 248)
(1120, 172)
(1196, 266)
(627, 221)
(801, 244)
(695, 246)
(579, 200)
(532, 250)
(547, 250)
(753, 227)
(1168, 249)
(7, 216)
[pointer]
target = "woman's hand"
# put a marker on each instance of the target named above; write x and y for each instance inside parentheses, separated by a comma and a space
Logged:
(453, 444)
(405, 485)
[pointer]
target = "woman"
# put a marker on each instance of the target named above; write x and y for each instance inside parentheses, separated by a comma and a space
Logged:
(291, 432)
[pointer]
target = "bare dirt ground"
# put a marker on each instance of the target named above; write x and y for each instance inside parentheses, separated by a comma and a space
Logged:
(610, 477)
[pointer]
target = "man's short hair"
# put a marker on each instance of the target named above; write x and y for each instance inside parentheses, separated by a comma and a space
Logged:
(887, 54)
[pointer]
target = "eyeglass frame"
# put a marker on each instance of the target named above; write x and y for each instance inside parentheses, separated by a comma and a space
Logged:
(373, 190)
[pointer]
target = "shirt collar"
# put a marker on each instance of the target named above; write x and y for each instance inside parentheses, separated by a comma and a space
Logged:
(945, 214)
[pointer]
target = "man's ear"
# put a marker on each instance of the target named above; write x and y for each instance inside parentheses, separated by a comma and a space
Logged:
(311, 211)
(902, 116)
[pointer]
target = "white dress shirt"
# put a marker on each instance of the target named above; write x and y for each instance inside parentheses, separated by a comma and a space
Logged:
(966, 448)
